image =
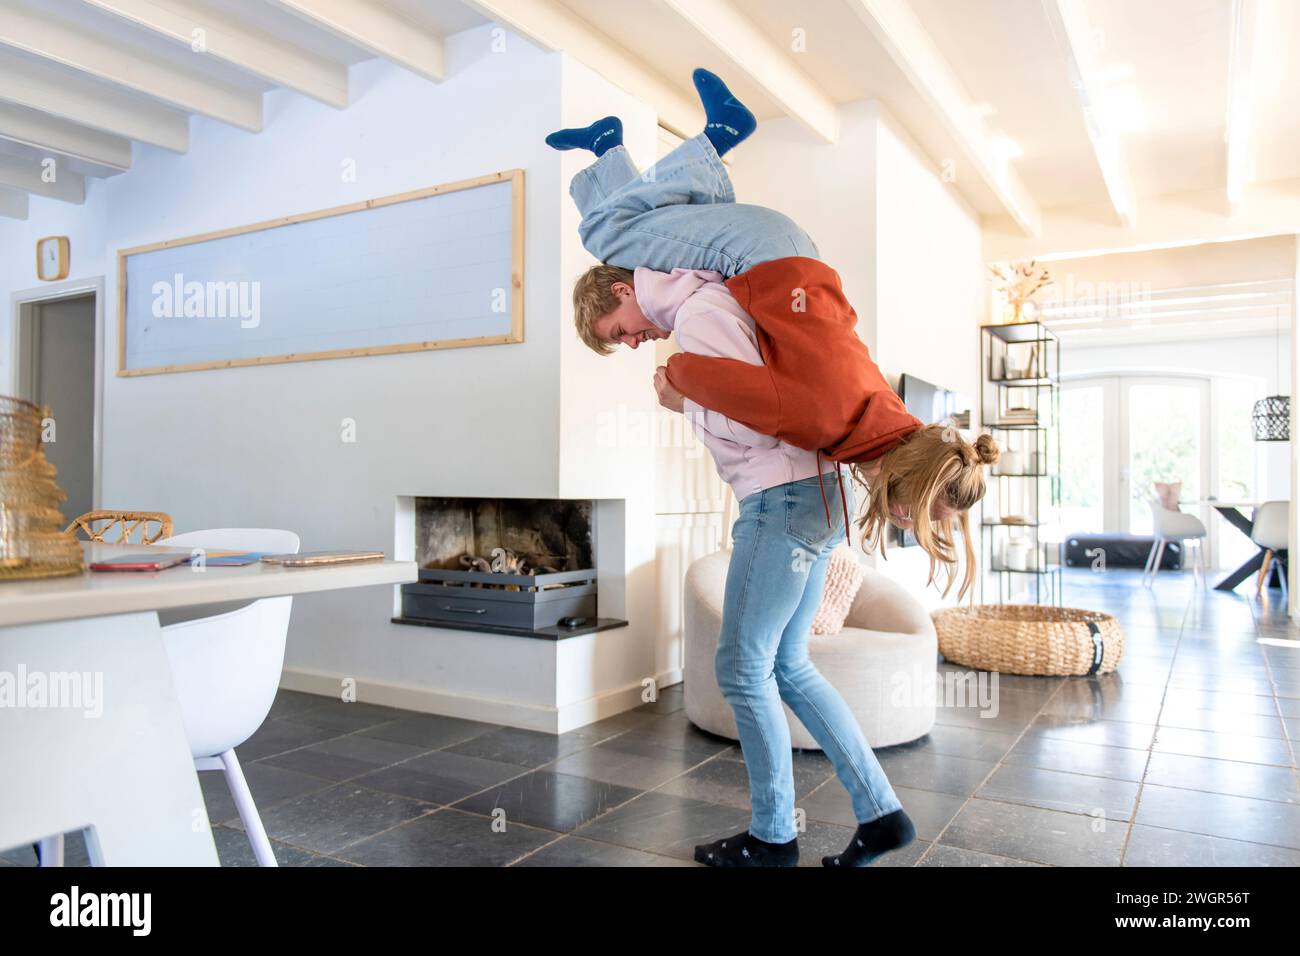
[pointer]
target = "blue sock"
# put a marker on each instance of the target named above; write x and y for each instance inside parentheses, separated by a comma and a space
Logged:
(599, 136)
(727, 120)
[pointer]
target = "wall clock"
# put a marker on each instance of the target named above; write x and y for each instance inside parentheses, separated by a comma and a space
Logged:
(52, 258)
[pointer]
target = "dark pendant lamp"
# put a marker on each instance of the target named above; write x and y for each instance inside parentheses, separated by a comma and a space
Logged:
(1271, 417)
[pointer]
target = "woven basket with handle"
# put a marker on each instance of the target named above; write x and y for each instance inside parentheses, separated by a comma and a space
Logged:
(1030, 639)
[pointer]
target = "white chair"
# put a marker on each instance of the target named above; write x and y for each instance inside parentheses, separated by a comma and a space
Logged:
(1174, 526)
(1269, 531)
(226, 670)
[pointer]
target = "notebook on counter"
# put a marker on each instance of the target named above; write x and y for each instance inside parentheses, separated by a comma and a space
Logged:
(139, 562)
(305, 559)
(232, 559)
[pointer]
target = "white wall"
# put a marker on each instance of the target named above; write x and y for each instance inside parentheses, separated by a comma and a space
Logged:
(829, 190)
(606, 446)
(932, 287)
(262, 445)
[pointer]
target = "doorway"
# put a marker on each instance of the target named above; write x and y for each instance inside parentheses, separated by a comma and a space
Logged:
(57, 349)
(1126, 431)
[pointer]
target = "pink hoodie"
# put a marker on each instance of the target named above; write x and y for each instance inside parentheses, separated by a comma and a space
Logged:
(707, 320)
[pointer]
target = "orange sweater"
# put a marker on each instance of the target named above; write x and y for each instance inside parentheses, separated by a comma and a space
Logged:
(818, 387)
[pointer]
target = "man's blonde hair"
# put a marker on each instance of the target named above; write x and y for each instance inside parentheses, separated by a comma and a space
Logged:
(934, 464)
(593, 299)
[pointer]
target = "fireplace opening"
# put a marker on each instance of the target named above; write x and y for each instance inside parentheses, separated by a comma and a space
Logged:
(551, 534)
(506, 565)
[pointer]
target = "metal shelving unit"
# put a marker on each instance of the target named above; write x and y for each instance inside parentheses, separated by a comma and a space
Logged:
(1020, 375)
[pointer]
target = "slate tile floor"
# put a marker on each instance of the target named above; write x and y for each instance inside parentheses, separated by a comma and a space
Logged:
(1185, 757)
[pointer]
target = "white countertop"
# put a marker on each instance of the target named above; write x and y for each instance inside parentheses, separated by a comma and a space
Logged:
(98, 593)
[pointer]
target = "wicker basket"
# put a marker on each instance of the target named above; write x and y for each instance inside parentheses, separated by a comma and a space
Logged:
(1030, 639)
(33, 543)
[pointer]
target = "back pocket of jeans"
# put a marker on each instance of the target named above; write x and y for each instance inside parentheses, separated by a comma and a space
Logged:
(805, 515)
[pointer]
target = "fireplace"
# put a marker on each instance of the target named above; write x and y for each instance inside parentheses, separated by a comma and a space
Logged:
(504, 565)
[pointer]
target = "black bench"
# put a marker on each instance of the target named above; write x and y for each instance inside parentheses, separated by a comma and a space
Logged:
(1120, 550)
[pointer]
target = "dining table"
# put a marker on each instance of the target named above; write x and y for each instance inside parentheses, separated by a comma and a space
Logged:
(91, 733)
(1233, 512)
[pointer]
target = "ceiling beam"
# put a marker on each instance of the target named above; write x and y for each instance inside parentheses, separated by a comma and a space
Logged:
(83, 50)
(221, 36)
(1241, 67)
(42, 178)
(107, 153)
(376, 29)
(554, 27)
(49, 89)
(735, 36)
(13, 204)
(897, 29)
(1069, 26)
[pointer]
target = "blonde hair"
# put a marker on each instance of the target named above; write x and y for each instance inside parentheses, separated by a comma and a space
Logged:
(933, 465)
(592, 300)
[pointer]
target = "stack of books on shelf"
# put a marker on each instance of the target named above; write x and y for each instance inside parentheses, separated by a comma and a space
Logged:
(1018, 416)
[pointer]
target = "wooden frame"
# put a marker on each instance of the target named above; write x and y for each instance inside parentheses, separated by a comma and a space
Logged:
(516, 334)
(65, 258)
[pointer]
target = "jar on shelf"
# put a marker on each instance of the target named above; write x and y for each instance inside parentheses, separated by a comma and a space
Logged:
(1015, 553)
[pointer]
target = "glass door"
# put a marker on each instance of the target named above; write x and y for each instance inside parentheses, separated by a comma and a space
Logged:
(1165, 431)
(1089, 456)
(1122, 433)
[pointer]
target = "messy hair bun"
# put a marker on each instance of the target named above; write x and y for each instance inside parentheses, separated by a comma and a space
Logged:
(987, 449)
(939, 476)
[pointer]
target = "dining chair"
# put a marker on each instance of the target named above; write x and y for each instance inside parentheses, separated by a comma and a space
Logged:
(226, 670)
(1269, 530)
(1174, 526)
(152, 526)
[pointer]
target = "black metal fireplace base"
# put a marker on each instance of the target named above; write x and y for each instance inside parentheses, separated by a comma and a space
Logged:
(552, 633)
(524, 602)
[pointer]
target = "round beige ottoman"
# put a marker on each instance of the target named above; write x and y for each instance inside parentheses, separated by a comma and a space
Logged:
(883, 662)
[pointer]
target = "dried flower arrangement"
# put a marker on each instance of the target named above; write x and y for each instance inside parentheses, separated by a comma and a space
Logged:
(1018, 283)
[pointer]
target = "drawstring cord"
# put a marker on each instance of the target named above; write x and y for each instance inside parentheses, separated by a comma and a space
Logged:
(839, 474)
(825, 506)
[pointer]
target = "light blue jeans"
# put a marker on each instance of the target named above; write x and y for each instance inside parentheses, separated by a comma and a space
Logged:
(681, 214)
(781, 546)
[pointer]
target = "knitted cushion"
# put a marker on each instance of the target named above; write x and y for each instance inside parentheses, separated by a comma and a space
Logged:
(1168, 493)
(843, 578)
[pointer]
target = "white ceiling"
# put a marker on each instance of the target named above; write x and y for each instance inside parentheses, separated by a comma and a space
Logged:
(1000, 84)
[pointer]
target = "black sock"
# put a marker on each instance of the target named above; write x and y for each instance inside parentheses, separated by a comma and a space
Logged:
(727, 120)
(874, 838)
(602, 135)
(745, 849)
